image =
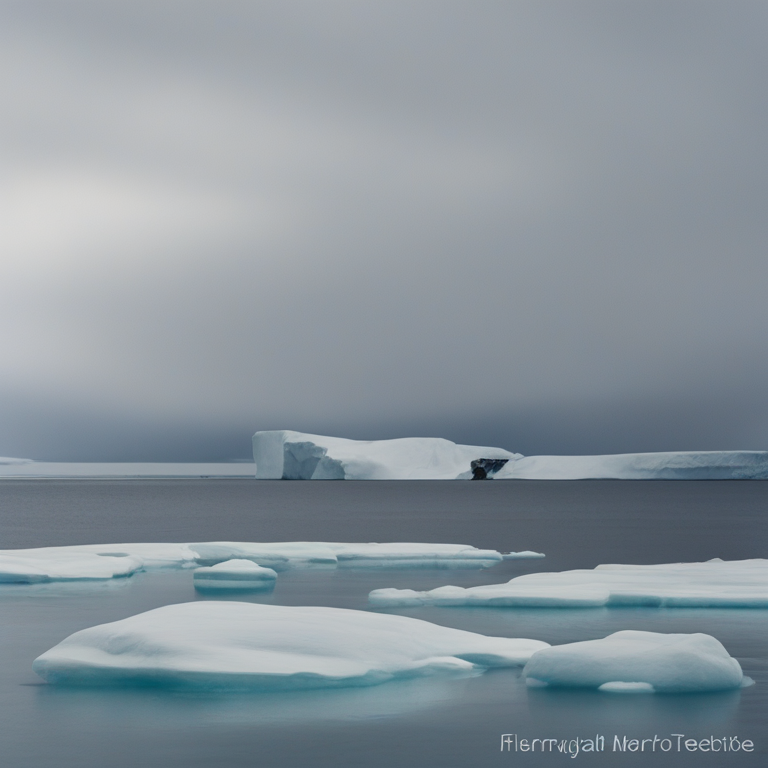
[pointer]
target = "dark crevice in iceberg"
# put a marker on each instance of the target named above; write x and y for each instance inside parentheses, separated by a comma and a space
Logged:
(483, 468)
(300, 460)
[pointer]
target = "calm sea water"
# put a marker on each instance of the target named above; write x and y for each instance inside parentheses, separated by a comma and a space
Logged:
(416, 723)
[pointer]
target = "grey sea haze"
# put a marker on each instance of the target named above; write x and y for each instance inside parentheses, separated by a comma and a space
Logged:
(415, 723)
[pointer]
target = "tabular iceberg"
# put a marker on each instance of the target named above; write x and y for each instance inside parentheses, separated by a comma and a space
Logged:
(298, 456)
(247, 645)
(287, 455)
(714, 584)
(234, 575)
(634, 661)
(107, 561)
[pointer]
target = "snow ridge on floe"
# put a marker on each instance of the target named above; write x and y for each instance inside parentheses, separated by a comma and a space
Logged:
(107, 561)
(632, 661)
(713, 584)
(247, 645)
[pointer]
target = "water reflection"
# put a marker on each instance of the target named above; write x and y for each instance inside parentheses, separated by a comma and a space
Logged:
(148, 708)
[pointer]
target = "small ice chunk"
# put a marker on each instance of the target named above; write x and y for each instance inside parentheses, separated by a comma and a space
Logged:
(632, 660)
(617, 686)
(246, 645)
(240, 575)
(526, 554)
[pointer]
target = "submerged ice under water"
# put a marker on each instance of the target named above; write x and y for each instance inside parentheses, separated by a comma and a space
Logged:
(427, 722)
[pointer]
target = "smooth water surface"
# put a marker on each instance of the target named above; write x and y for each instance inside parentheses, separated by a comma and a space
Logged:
(427, 722)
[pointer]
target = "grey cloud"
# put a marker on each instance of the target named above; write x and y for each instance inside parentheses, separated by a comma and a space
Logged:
(539, 223)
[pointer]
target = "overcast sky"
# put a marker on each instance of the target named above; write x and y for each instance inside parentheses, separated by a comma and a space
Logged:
(536, 225)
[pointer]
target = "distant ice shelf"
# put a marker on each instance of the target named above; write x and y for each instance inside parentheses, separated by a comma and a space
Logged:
(288, 455)
(680, 465)
(713, 584)
(21, 468)
(299, 456)
(228, 645)
(108, 561)
(638, 662)
(9, 460)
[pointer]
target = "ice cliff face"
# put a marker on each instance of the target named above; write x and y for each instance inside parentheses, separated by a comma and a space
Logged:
(299, 456)
(290, 455)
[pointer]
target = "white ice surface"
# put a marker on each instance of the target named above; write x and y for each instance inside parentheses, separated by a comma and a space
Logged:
(526, 554)
(714, 584)
(64, 566)
(634, 661)
(247, 645)
(242, 575)
(39, 469)
(681, 465)
(299, 456)
(106, 561)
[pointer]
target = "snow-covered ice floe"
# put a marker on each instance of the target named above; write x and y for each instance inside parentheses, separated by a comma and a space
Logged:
(247, 645)
(107, 561)
(638, 662)
(714, 584)
(26, 568)
(290, 455)
(234, 575)
(680, 465)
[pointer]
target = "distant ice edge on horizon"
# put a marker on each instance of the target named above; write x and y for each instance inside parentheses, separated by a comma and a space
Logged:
(288, 455)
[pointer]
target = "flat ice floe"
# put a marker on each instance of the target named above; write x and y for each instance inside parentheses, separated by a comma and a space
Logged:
(290, 455)
(247, 645)
(713, 584)
(240, 575)
(638, 662)
(26, 568)
(107, 561)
